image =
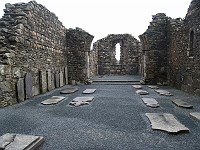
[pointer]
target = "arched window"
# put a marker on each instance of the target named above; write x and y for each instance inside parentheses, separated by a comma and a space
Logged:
(191, 43)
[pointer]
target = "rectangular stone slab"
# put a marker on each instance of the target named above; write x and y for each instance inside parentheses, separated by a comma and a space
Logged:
(164, 92)
(69, 90)
(20, 90)
(166, 122)
(20, 142)
(151, 102)
(52, 100)
(196, 115)
(137, 86)
(153, 86)
(142, 92)
(83, 99)
(181, 103)
(89, 91)
(78, 103)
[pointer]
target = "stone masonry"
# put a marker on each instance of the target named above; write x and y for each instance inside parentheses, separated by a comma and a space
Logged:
(34, 52)
(129, 58)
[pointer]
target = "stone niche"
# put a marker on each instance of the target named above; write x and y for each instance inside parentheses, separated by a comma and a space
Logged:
(106, 55)
(171, 50)
(33, 51)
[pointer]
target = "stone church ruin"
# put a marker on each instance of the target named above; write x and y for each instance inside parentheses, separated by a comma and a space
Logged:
(38, 54)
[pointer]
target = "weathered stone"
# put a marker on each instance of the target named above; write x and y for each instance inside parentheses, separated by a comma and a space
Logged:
(20, 142)
(137, 86)
(89, 91)
(78, 101)
(53, 100)
(196, 115)
(43, 81)
(153, 86)
(20, 90)
(181, 103)
(164, 92)
(142, 92)
(28, 86)
(57, 80)
(49, 80)
(166, 122)
(151, 102)
(76, 104)
(61, 79)
(66, 75)
(69, 90)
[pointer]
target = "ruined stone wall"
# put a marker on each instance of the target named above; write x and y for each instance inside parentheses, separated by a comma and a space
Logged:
(154, 48)
(78, 43)
(129, 58)
(32, 42)
(184, 54)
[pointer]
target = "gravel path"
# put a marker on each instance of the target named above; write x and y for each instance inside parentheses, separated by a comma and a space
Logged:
(115, 120)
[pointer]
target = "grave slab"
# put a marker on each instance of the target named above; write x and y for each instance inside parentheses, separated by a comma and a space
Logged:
(164, 92)
(79, 101)
(57, 80)
(153, 86)
(43, 81)
(142, 92)
(28, 86)
(195, 115)
(180, 103)
(61, 79)
(151, 102)
(76, 104)
(20, 142)
(66, 75)
(49, 80)
(166, 122)
(53, 100)
(20, 90)
(69, 90)
(137, 86)
(89, 91)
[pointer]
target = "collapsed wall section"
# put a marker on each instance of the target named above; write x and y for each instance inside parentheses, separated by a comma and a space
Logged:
(129, 54)
(32, 42)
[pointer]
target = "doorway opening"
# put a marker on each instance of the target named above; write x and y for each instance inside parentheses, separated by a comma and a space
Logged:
(117, 52)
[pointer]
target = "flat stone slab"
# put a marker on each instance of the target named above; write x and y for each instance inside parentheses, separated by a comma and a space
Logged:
(142, 92)
(20, 142)
(153, 86)
(151, 102)
(196, 115)
(78, 101)
(137, 86)
(166, 122)
(69, 90)
(180, 103)
(53, 100)
(164, 92)
(89, 91)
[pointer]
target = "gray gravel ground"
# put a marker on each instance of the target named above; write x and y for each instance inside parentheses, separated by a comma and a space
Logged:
(115, 120)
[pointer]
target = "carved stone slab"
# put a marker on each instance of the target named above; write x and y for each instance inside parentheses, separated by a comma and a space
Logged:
(20, 90)
(20, 142)
(164, 92)
(57, 80)
(142, 92)
(196, 115)
(69, 90)
(66, 75)
(61, 79)
(49, 80)
(181, 103)
(153, 86)
(166, 122)
(89, 91)
(28, 86)
(53, 100)
(137, 86)
(78, 101)
(43, 81)
(151, 102)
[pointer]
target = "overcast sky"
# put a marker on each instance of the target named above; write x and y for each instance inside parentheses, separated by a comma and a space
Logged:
(103, 17)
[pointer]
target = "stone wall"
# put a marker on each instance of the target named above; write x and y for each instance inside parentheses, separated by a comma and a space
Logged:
(32, 42)
(129, 58)
(78, 44)
(177, 59)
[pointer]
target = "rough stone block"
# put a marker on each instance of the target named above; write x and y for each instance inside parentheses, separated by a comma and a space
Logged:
(20, 142)
(166, 122)
(20, 90)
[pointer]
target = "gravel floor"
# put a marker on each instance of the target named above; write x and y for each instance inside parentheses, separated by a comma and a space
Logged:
(115, 120)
